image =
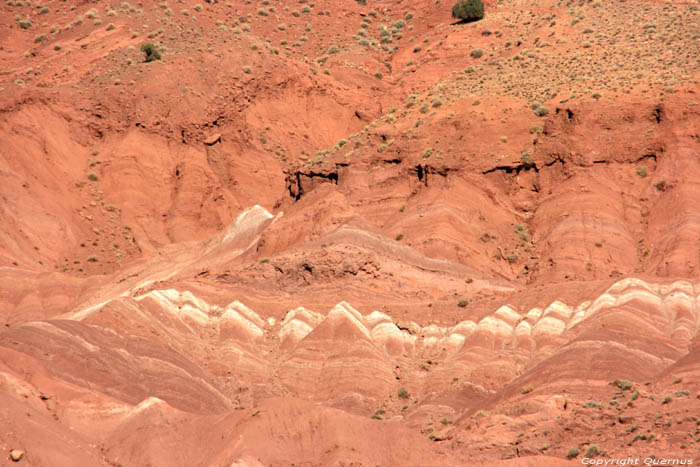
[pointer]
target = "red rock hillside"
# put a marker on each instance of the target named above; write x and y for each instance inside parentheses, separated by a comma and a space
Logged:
(349, 233)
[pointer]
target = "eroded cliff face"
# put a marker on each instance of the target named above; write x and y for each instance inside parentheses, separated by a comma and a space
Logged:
(330, 234)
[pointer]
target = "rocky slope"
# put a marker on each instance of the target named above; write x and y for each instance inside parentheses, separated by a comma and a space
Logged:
(349, 233)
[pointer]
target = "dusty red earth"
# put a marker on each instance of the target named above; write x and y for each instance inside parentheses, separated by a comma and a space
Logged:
(349, 233)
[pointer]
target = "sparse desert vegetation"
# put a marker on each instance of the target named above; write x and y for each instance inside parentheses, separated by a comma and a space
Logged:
(281, 216)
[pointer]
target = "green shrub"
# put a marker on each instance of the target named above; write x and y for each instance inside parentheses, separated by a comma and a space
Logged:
(151, 52)
(573, 452)
(468, 10)
(463, 303)
(622, 384)
(476, 53)
(541, 110)
(403, 394)
(592, 451)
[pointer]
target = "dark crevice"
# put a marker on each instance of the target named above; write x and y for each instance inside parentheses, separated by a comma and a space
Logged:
(569, 113)
(513, 169)
(293, 186)
(422, 176)
(650, 155)
(182, 136)
(392, 161)
(658, 114)
(557, 158)
(299, 183)
(332, 176)
(422, 172)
